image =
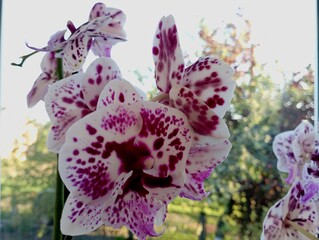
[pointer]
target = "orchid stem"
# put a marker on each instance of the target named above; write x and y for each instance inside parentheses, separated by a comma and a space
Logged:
(58, 205)
(303, 231)
(160, 97)
(25, 57)
(61, 192)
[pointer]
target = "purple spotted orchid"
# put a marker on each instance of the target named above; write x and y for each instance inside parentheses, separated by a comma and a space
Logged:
(289, 218)
(296, 216)
(124, 159)
(297, 153)
(293, 149)
(202, 91)
(123, 163)
(74, 97)
(103, 30)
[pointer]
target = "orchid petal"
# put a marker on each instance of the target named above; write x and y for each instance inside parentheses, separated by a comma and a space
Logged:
(304, 141)
(167, 55)
(211, 80)
(208, 127)
(116, 20)
(64, 104)
(98, 10)
(74, 53)
(276, 224)
(101, 48)
(97, 75)
(199, 166)
(39, 89)
(118, 91)
(293, 149)
(80, 217)
(138, 213)
(47, 77)
(283, 150)
(108, 27)
(56, 136)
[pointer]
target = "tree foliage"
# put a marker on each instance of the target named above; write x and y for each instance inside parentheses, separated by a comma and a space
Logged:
(248, 181)
(28, 185)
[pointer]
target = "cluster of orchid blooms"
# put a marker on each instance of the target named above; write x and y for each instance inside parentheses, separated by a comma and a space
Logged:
(296, 215)
(124, 158)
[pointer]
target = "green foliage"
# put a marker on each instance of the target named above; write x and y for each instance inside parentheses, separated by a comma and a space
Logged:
(247, 183)
(28, 187)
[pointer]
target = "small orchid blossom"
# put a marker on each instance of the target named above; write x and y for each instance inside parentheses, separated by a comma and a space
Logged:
(101, 46)
(202, 91)
(105, 28)
(289, 218)
(123, 163)
(72, 98)
(209, 78)
(293, 149)
(47, 77)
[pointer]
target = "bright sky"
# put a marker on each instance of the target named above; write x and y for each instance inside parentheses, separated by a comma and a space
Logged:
(285, 29)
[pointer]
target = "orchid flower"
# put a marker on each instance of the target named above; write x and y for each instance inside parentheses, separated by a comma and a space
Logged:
(293, 149)
(101, 46)
(104, 28)
(289, 218)
(123, 163)
(72, 98)
(202, 91)
(208, 78)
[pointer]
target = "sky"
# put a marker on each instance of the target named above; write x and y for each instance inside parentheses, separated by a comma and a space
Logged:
(285, 30)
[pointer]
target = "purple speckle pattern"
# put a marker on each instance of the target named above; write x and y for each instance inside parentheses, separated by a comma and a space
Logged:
(65, 105)
(167, 55)
(211, 80)
(207, 125)
(118, 91)
(74, 97)
(110, 32)
(199, 166)
(203, 92)
(277, 225)
(75, 52)
(100, 33)
(129, 157)
(293, 149)
(98, 74)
